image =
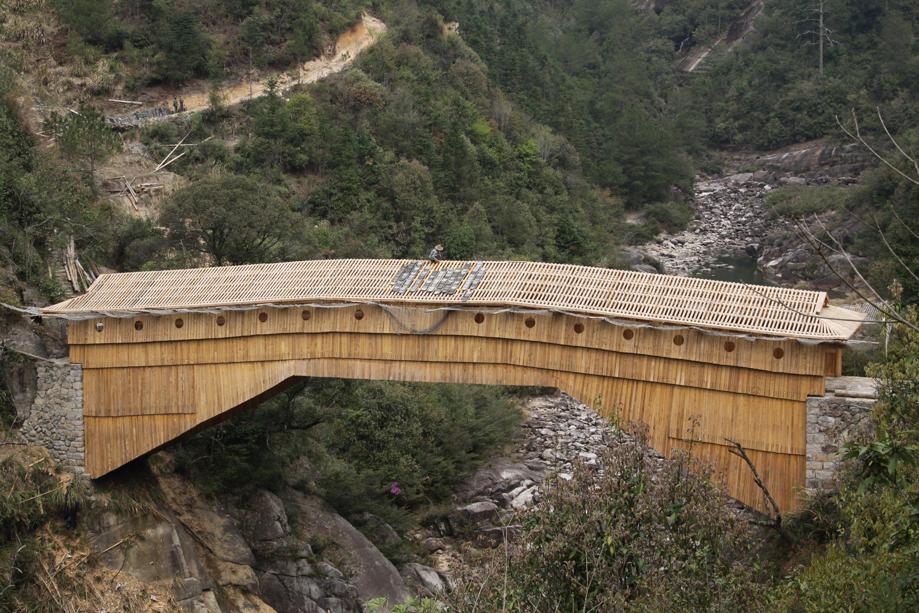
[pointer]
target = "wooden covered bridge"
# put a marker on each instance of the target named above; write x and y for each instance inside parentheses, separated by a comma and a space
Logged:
(698, 361)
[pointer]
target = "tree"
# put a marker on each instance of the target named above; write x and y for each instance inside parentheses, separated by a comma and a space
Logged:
(184, 49)
(92, 20)
(84, 138)
(233, 219)
(819, 33)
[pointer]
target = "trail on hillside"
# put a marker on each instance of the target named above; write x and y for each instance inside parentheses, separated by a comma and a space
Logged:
(196, 97)
(737, 32)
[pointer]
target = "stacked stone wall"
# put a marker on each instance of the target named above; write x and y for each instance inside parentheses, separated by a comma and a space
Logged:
(56, 419)
(833, 420)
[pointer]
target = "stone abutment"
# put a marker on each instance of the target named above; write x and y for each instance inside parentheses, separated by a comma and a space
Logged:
(56, 419)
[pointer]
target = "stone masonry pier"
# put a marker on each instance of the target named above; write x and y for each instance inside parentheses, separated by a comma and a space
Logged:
(833, 420)
(56, 419)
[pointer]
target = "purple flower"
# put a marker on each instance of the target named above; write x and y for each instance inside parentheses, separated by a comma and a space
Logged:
(394, 489)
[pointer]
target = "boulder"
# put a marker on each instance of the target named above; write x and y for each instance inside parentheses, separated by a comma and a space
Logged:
(644, 268)
(472, 516)
(368, 570)
(424, 579)
(156, 551)
(212, 527)
(265, 518)
(378, 530)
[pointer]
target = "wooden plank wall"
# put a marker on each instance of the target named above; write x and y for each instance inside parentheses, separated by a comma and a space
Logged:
(150, 379)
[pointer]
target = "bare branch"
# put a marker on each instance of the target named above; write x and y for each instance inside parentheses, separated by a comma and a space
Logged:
(896, 144)
(903, 223)
(893, 252)
(858, 137)
(845, 254)
(818, 247)
(738, 450)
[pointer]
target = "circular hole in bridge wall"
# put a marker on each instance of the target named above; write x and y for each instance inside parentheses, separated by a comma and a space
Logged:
(263, 317)
(530, 322)
(729, 346)
(479, 318)
(778, 353)
(221, 320)
(678, 340)
(179, 323)
(578, 328)
(138, 325)
(100, 326)
(628, 334)
(358, 314)
(306, 315)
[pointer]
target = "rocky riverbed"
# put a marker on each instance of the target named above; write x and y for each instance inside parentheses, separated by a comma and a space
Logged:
(733, 223)
(731, 220)
(557, 433)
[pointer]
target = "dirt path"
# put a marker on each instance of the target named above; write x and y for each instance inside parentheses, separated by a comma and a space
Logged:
(348, 46)
(196, 97)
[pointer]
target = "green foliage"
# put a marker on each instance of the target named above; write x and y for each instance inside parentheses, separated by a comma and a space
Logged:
(407, 151)
(871, 561)
(412, 605)
(799, 201)
(640, 536)
(84, 138)
(838, 581)
(183, 48)
(881, 461)
(41, 205)
(597, 73)
(424, 438)
(93, 20)
(284, 136)
(769, 93)
(357, 439)
(233, 219)
(170, 41)
(669, 216)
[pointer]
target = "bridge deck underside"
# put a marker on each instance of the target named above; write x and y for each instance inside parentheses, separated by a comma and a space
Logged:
(148, 380)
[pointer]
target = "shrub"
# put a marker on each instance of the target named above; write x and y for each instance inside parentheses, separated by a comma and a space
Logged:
(34, 494)
(640, 535)
(872, 560)
(804, 200)
(669, 216)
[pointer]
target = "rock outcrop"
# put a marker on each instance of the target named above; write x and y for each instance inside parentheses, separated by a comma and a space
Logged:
(217, 557)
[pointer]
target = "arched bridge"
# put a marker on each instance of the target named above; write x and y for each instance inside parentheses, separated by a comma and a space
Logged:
(698, 361)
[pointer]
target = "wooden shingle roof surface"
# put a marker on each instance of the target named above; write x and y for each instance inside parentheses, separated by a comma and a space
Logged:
(646, 297)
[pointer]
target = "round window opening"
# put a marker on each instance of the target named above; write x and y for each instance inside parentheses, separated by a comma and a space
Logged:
(358, 314)
(578, 328)
(138, 325)
(263, 317)
(778, 353)
(729, 346)
(479, 318)
(628, 334)
(306, 315)
(678, 340)
(179, 323)
(530, 322)
(221, 320)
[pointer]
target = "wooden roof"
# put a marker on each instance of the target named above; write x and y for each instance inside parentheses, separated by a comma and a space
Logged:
(586, 290)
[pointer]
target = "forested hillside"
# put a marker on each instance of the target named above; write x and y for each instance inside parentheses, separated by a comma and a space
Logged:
(786, 86)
